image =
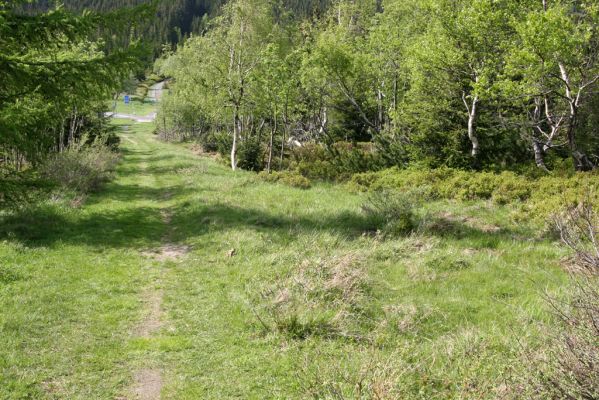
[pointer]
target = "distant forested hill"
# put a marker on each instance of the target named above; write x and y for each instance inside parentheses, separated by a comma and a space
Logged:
(176, 18)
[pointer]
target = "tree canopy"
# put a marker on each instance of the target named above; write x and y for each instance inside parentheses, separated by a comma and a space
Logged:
(55, 79)
(468, 84)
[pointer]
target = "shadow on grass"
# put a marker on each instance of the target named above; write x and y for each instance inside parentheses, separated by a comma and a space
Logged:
(135, 192)
(45, 226)
(144, 226)
(156, 170)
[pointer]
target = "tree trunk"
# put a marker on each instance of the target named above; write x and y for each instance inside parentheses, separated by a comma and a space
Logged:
(472, 128)
(236, 123)
(273, 130)
(282, 149)
(579, 159)
(472, 114)
(539, 155)
(381, 117)
(61, 139)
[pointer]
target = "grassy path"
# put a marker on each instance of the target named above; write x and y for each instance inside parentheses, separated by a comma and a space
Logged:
(154, 288)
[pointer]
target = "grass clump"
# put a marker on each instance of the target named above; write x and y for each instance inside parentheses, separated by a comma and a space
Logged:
(324, 297)
(8, 275)
(81, 169)
(293, 179)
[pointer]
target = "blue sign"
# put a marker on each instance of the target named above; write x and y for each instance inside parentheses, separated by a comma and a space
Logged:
(127, 99)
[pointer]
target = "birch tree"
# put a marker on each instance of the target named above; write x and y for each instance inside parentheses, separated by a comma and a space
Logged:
(556, 67)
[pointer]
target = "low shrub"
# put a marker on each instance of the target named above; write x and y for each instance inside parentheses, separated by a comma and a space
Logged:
(503, 188)
(81, 169)
(578, 228)
(392, 212)
(288, 178)
(407, 179)
(566, 365)
(538, 197)
(319, 169)
(552, 193)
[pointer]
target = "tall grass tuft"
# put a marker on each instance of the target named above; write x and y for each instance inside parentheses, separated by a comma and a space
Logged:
(324, 297)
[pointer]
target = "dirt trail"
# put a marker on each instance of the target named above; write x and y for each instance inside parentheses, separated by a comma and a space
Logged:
(148, 379)
(156, 91)
(153, 320)
(148, 382)
(142, 119)
(169, 251)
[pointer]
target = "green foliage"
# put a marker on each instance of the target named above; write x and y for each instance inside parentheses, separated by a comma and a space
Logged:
(473, 85)
(55, 81)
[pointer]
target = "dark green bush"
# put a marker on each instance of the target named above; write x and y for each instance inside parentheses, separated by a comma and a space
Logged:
(222, 142)
(210, 142)
(337, 163)
(18, 190)
(319, 169)
(249, 155)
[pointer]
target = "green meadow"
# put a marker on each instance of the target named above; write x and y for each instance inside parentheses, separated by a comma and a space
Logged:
(258, 290)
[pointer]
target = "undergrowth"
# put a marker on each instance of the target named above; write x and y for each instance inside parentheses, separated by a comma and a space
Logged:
(536, 198)
(82, 169)
(288, 178)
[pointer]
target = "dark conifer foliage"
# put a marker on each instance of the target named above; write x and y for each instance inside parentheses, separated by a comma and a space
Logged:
(175, 18)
